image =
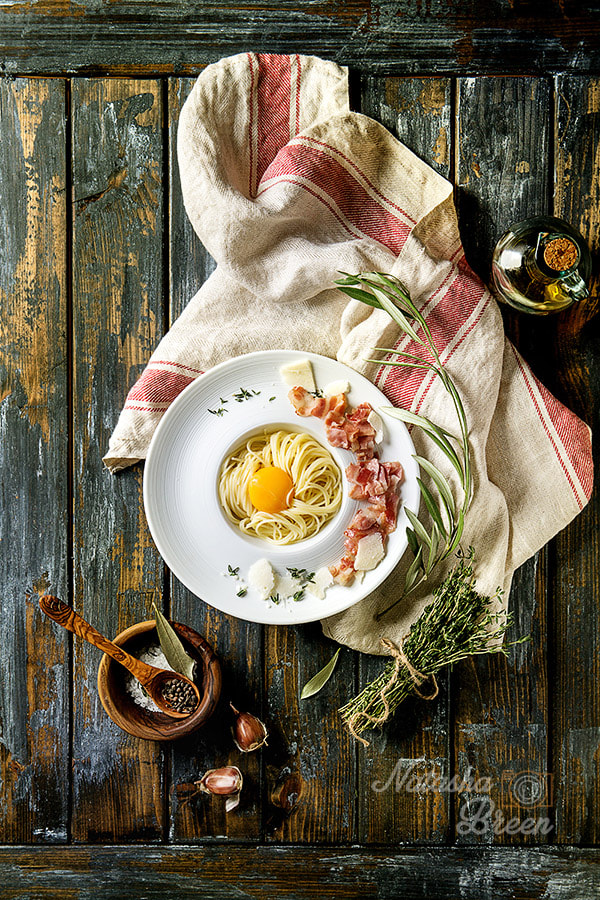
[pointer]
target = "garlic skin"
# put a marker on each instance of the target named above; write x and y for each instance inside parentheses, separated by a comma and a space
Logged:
(249, 733)
(226, 781)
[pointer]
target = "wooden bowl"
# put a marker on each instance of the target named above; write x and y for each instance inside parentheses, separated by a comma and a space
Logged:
(146, 723)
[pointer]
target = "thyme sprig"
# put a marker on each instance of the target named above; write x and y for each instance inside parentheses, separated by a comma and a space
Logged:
(428, 548)
(459, 622)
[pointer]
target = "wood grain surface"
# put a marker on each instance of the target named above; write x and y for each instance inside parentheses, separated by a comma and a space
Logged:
(379, 36)
(34, 441)
(576, 585)
(98, 259)
(117, 319)
(336, 873)
(502, 163)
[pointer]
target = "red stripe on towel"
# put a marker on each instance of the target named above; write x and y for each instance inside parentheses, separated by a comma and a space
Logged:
(157, 386)
(273, 86)
(349, 196)
(571, 433)
(461, 298)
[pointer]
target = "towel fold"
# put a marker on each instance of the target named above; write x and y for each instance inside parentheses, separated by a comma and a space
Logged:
(285, 187)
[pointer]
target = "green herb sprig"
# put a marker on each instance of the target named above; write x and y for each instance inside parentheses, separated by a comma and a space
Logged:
(428, 548)
(456, 624)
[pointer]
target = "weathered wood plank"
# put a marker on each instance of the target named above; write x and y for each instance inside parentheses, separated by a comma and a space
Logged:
(239, 644)
(501, 711)
(34, 663)
(118, 316)
(415, 746)
(311, 764)
(401, 37)
(576, 583)
(216, 873)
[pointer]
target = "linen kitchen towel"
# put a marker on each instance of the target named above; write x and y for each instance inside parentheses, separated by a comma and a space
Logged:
(285, 187)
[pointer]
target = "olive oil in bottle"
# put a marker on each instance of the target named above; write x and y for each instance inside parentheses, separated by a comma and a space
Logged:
(541, 266)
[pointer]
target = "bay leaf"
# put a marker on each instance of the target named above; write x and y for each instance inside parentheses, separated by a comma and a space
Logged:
(172, 647)
(321, 678)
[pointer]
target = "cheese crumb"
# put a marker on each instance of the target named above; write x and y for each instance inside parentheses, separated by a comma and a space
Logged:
(299, 374)
(336, 387)
(323, 580)
(369, 553)
(376, 422)
(261, 577)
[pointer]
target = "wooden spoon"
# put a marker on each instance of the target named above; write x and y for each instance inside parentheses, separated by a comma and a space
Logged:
(153, 680)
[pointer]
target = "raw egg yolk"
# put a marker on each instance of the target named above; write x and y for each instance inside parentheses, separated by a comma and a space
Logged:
(271, 489)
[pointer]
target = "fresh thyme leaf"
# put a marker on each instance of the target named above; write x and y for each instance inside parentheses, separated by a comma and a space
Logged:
(231, 571)
(243, 394)
(275, 598)
(302, 575)
(315, 684)
(272, 398)
(298, 595)
(217, 412)
(242, 592)
(223, 402)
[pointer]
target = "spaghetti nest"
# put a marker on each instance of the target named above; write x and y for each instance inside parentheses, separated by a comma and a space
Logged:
(317, 486)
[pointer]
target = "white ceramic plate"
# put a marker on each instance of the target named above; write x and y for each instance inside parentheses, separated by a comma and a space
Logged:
(197, 541)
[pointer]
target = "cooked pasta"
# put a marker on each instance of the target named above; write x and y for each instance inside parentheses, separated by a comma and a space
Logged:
(317, 486)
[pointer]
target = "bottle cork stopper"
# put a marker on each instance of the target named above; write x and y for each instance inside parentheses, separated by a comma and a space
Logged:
(560, 254)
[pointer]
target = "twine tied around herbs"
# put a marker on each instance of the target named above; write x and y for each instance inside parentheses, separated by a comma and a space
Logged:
(417, 678)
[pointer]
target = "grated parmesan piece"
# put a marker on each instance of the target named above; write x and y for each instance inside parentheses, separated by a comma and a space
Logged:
(376, 422)
(323, 580)
(369, 553)
(261, 578)
(336, 387)
(299, 374)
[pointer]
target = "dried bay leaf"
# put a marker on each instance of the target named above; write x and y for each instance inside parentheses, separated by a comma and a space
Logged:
(172, 647)
(321, 678)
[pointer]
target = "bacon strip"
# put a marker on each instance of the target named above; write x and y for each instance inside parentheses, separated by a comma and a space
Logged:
(369, 478)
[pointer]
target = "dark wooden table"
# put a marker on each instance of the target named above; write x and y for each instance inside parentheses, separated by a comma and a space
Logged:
(97, 259)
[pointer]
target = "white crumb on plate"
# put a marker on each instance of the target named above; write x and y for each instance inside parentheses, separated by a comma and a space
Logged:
(375, 420)
(261, 578)
(336, 387)
(286, 586)
(323, 580)
(298, 374)
(369, 553)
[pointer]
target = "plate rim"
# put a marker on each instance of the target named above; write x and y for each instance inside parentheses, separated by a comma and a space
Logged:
(163, 425)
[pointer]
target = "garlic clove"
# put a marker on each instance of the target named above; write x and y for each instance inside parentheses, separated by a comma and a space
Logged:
(249, 733)
(226, 781)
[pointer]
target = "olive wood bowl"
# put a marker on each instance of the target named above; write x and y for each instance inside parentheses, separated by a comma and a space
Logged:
(149, 724)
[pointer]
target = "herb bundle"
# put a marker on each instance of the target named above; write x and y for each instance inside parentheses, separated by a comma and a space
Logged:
(456, 624)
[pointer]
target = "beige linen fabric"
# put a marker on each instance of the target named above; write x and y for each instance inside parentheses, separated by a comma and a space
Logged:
(285, 187)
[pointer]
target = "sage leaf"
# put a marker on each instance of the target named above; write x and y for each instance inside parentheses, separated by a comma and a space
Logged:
(414, 570)
(434, 510)
(321, 678)
(418, 526)
(357, 294)
(440, 482)
(172, 647)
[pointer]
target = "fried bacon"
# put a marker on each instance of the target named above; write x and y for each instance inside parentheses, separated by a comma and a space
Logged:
(369, 478)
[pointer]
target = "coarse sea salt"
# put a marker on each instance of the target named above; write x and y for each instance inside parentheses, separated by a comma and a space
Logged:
(154, 656)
